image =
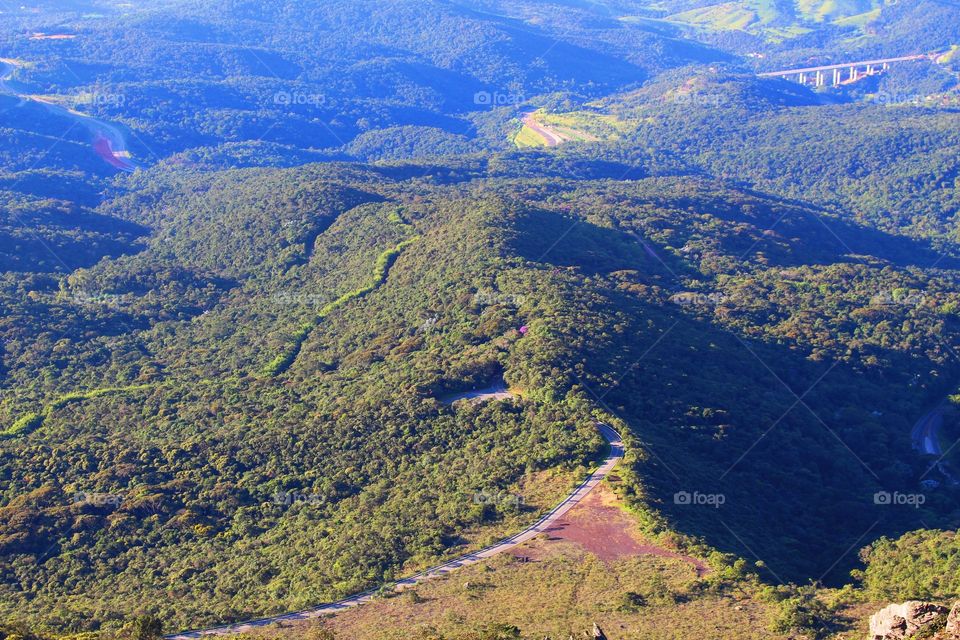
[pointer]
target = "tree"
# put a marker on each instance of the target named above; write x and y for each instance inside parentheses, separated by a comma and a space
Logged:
(143, 628)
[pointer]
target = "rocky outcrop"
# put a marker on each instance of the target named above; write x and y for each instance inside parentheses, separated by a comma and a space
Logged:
(952, 630)
(902, 621)
(953, 620)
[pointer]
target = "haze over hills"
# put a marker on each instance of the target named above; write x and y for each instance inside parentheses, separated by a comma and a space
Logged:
(252, 250)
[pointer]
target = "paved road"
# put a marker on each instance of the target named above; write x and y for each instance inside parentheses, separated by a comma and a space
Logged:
(551, 137)
(924, 433)
(6, 72)
(109, 142)
(925, 436)
(544, 523)
(497, 391)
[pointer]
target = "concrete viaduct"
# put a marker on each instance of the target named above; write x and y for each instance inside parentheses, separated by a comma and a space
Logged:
(845, 73)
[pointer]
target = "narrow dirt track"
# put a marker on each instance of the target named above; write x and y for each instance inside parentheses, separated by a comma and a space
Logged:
(541, 526)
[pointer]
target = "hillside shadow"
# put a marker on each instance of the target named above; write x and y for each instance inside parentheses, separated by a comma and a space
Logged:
(763, 452)
(49, 240)
(785, 232)
(565, 241)
(838, 237)
(748, 443)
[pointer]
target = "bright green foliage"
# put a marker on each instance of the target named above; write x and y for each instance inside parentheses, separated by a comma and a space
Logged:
(26, 423)
(920, 565)
(380, 271)
(799, 609)
(31, 421)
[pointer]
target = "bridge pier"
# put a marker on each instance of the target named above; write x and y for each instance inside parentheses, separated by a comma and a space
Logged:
(843, 73)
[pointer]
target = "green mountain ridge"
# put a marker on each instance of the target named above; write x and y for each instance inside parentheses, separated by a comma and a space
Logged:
(223, 372)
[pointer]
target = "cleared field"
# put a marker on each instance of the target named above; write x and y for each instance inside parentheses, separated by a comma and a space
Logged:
(527, 137)
(542, 129)
(821, 10)
(585, 125)
(730, 16)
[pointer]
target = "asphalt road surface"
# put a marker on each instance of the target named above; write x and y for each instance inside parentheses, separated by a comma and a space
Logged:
(109, 142)
(539, 527)
(924, 434)
(925, 437)
(551, 137)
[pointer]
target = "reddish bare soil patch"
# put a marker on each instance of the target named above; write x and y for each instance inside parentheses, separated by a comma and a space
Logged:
(598, 526)
(104, 148)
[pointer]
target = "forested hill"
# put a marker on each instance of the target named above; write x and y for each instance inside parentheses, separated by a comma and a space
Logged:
(660, 303)
(317, 75)
(783, 32)
(248, 250)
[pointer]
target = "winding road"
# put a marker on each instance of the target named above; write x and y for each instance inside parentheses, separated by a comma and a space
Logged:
(926, 439)
(108, 141)
(539, 527)
(924, 433)
(550, 137)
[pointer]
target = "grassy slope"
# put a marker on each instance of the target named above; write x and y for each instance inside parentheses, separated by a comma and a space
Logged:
(562, 591)
(820, 10)
(762, 16)
(575, 126)
(528, 138)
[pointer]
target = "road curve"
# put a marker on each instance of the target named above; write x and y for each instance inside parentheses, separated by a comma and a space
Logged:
(108, 143)
(924, 433)
(7, 69)
(925, 437)
(550, 137)
(540, 526)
